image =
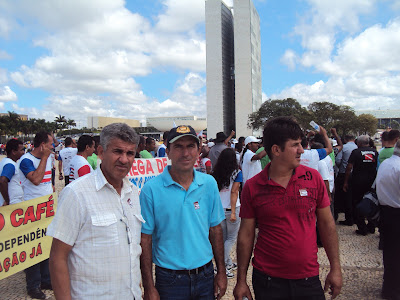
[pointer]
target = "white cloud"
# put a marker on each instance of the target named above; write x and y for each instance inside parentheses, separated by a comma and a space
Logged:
(187, 98)
(290, 59)
(4, 54)
(396, 5)
(363, 68)
(3, 76)
(179, 16)
(374, 50)
(100, 48)
(6, 94)
(264, 97)
(4, 27)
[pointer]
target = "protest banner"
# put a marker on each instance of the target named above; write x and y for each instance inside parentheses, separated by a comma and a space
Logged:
(144, 169)
(23, 240)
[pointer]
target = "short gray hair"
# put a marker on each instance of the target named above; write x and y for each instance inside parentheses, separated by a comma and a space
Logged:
(118, 131)
(396, 150)
(363, 140)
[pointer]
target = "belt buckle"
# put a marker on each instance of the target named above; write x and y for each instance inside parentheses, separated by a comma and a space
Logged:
(193, 271)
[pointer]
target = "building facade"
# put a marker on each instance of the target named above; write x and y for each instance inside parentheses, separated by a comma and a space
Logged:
(101, 122)
(386, 118)
(233, 66)
(220, 68)
(166, 123)
(248, 94)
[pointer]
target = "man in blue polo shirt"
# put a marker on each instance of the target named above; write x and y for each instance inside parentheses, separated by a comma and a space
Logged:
(182, 233)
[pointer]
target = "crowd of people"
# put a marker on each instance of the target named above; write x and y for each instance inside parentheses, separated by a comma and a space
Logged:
(287, 188)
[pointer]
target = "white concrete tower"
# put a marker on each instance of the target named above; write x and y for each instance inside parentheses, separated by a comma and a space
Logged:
(248, 94)
(220, 65)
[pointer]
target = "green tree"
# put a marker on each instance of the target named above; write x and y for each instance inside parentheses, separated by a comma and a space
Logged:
(394, 124)
(346, 120)
(367, 124)
(13, 123)
(277, 108)
(325, 113)
(61, 122)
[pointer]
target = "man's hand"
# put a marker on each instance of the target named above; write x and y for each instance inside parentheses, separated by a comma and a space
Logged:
(242, 290)
(44, 151)
(151, 294)
(334, 283)
(233, 217)
(333, 131)
(220, 284)
(322, 130)
(345, 187)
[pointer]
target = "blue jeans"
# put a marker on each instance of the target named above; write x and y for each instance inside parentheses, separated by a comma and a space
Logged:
(273, 288)
(230, 232)
(171, 285)
(37, 274)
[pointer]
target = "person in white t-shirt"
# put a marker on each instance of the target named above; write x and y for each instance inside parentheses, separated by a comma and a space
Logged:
(325, 169)
(79, 166)
(10, 183)
(310, 157)
(35, 174)
(162, 148)
(65, 156)
(251, 164)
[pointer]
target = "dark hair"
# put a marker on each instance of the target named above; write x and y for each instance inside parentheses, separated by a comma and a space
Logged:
(141, 140)
(279, 130)
(40, 137)
(241, 139)
(317, 145)
(238, 147)
(149, 140)
(304, 142)
(12, 145)
(393, 134)
(68, 141)
(371, 143)
(225, 167)
(165, 135)
(84, 140)
(319, 138)
(349, 137)
(385, 136)
(96, 140)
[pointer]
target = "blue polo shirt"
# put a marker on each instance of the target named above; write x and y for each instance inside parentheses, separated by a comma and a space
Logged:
(179, 220)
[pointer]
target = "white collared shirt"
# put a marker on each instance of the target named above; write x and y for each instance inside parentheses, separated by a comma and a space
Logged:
(104, 229)
(388, 182)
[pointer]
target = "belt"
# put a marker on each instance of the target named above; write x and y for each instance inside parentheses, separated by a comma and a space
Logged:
(189, 272)
(228, 209)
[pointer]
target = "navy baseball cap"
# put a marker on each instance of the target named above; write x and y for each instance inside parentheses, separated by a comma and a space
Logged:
(180, 131)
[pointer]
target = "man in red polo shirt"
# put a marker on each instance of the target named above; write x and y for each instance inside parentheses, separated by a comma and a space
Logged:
(285, 200)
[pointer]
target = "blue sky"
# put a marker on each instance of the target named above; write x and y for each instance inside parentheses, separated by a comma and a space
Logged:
(142, 58)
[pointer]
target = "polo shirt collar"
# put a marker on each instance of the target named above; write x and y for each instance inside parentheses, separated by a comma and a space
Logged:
(101, 181)
(167, 179)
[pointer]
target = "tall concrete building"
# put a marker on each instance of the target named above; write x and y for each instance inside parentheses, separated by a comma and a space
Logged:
(220, 68)
(233, 66)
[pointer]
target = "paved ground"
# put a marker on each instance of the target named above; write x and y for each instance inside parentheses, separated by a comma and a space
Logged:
(360, 258)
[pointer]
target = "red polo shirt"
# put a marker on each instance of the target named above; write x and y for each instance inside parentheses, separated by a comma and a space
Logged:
(286, 245)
